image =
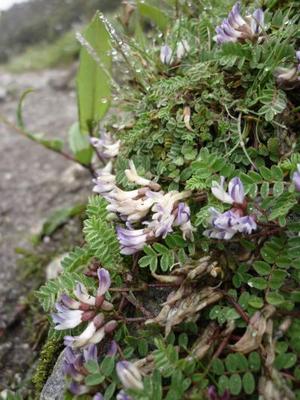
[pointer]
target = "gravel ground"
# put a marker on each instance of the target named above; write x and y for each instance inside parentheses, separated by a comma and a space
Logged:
(34, 182)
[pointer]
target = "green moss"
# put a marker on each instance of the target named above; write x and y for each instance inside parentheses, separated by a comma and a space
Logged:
(48, 356)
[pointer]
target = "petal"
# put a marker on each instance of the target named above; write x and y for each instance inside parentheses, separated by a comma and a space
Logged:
(104, 281)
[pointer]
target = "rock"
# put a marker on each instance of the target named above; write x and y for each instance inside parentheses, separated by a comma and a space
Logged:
(54, 268)
(55, 385)
(3, 93)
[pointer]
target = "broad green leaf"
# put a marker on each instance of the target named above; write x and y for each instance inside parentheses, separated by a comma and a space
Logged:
(156, 15)
(80, 145)
(52, 144)
(93, 78)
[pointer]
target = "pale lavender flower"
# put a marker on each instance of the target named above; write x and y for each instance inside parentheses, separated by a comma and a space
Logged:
(236, 28)
(106, 146)
(105, 182)
(65, 318)
(131, 240)
(123, 396)
(166, 55)
(164, 211)
(129, 375)
(98, 396)
(235, 194)
(226, 225)
(104, 281)
(183, 220)
(296, 178)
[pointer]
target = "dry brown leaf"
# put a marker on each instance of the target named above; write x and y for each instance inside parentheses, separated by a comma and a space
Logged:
(252, 338)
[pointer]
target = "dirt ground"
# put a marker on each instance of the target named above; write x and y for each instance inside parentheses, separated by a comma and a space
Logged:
(34, 182)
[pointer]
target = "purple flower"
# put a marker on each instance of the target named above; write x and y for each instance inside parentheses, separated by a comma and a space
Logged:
(77, 389)
(129, 375)
(289, 77)
(183, 214)
(104, 281)
(166, 55)
(296, 177)
(226, 225)
(235, 193)
(123, 396)
(131, 240)
(236, 28)
(212, 394)
(73, 366)
(113, 348)
(183, 220)
(98, 396)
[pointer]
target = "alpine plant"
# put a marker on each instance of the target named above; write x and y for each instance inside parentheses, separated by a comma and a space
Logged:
(187, 282)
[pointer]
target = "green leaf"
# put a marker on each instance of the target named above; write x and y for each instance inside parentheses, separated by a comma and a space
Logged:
(93, 78)
(107, 365)
(248, 383)
(274, 298)
(285, 360)
(80, 145)
(110, 390)
(156, 15)
(95, 379)
(92, 366)
(278, 189)
(145, 261)
(52, 144)
(255, 302)
(217, 367)
(258, 283)
(254, 361)
(264, 190)
(262, 268)
(235, 384)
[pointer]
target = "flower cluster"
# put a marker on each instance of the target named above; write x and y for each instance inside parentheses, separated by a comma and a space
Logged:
(105, 145)
(169, 56)
(226, 225)
(235, 28)
(168, 210)
(73, 367)
(289, 77)
(71, 313)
